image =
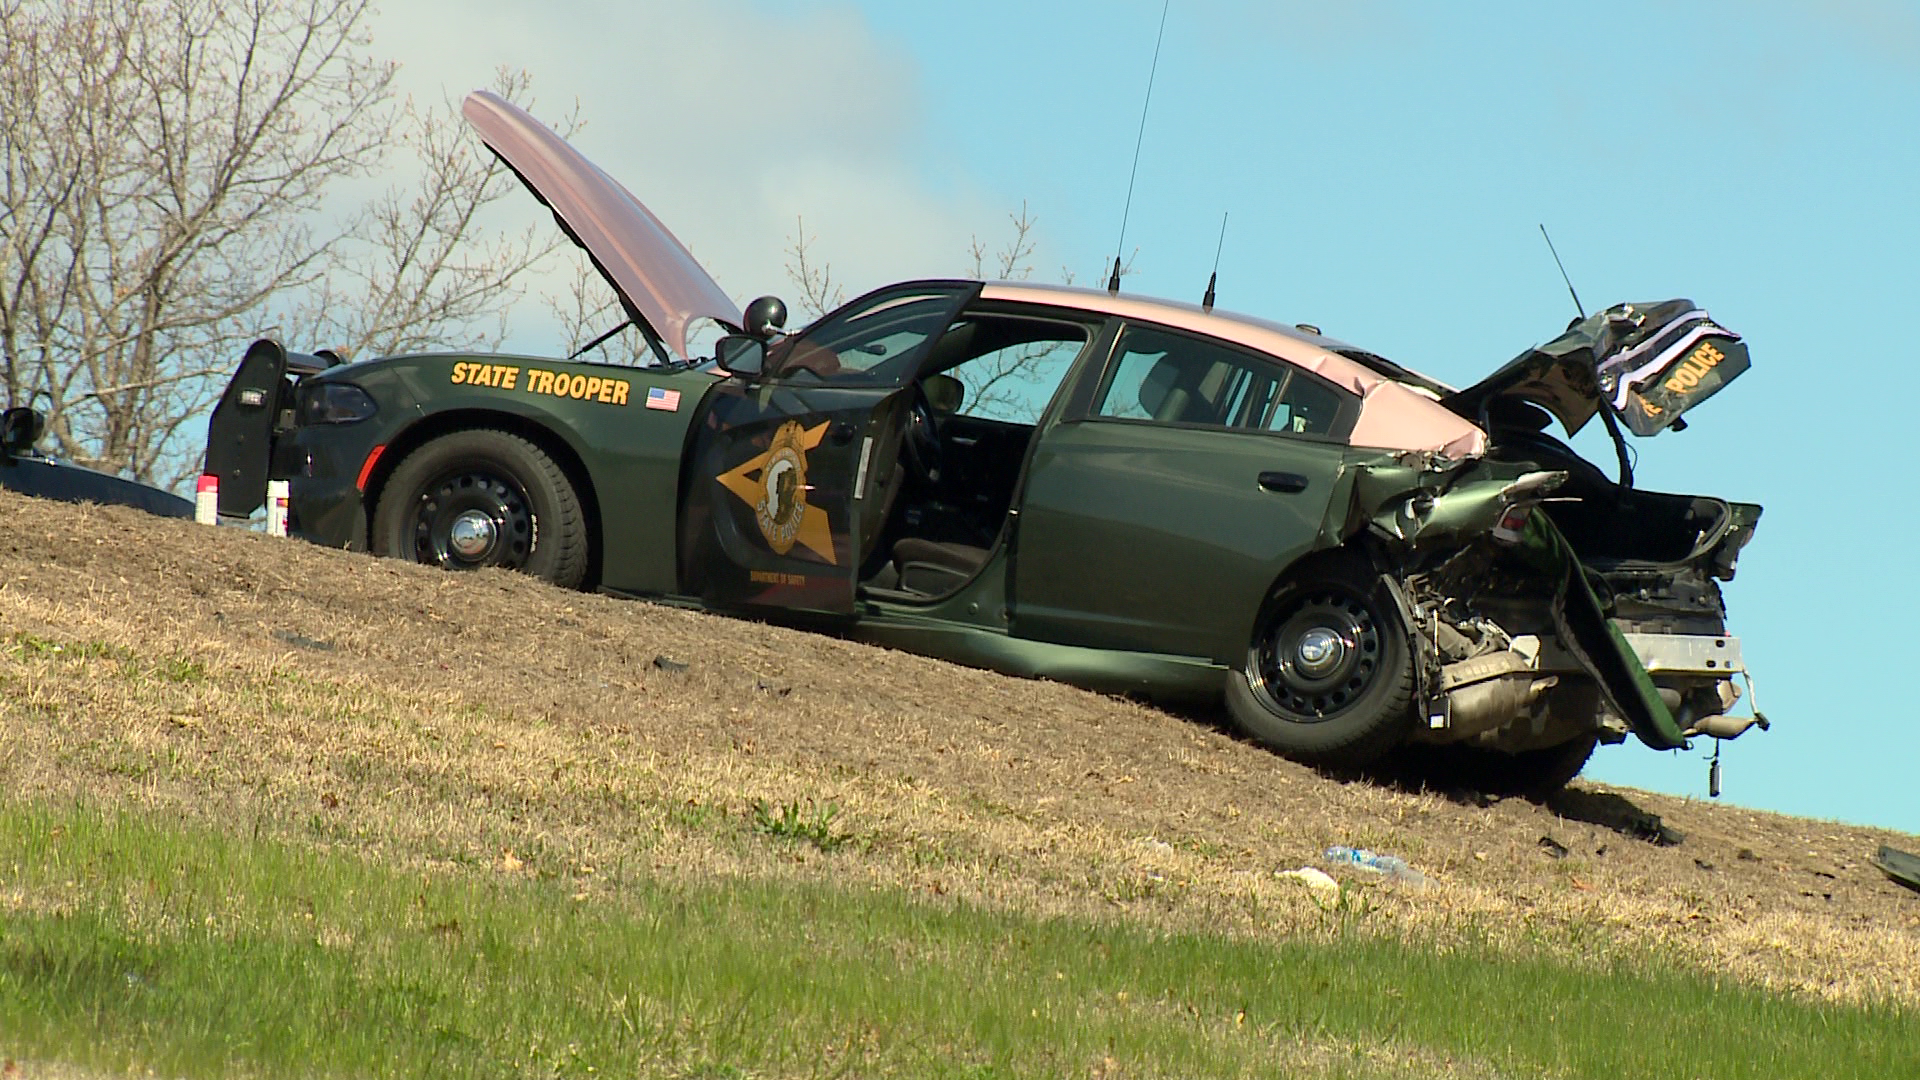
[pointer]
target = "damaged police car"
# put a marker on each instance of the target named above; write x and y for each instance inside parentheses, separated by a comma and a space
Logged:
(1133, 495)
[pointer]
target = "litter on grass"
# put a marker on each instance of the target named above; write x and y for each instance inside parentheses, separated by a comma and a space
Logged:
(1393, 867)
(1312, 877)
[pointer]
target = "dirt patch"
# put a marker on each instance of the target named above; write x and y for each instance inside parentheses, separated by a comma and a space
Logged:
(490, 722)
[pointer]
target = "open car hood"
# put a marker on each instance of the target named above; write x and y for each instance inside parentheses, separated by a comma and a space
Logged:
(1648, 363)
(656, 277)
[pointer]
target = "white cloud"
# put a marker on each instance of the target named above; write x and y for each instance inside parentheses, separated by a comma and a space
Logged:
(727, 120)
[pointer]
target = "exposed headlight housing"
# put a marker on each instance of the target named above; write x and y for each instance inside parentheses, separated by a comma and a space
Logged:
(334, 403)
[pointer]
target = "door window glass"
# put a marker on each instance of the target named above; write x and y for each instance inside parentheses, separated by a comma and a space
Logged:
(1171, 378)
(872, 342)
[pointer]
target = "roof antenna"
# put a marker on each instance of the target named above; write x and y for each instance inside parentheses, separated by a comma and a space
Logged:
(1113, 282)
(1563, 271)
(1206, 302)
(1620, 448)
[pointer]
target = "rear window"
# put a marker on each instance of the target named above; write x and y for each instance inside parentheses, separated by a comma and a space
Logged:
(1168, 378)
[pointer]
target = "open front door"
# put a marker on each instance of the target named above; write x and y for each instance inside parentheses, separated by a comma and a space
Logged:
(240, 434)
(792, 474)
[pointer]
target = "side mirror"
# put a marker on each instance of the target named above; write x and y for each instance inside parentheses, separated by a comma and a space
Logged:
(20, 429)
(765, 317)
(740, 354)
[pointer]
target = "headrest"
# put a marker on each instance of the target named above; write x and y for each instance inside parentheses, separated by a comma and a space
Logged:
(944, 393)
(1160, 381)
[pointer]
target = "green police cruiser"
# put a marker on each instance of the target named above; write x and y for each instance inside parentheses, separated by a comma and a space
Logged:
(1133, 495)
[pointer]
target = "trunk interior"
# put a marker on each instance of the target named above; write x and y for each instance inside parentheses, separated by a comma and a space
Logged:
(1611, 527)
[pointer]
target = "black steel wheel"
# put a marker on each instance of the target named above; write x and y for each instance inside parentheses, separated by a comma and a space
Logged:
(483, 498)
(1328, 677)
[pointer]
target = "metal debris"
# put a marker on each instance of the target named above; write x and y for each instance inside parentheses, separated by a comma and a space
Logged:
(302, 641)
(1901, 866)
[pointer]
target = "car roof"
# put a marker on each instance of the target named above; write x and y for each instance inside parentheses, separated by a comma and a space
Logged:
(1395, 413)
(1311, 351)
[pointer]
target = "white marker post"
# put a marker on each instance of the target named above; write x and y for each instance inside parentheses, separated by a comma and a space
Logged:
(276, 508)
(206, 500)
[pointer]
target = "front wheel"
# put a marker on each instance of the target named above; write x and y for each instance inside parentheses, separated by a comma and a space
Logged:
(1328, 677)
(483, 498)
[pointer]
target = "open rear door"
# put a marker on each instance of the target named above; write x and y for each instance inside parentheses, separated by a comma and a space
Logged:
(791, 474)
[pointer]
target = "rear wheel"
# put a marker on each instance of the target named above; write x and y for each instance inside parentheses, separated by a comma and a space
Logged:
(1529, 774)
(483, 498)
(1328, 678)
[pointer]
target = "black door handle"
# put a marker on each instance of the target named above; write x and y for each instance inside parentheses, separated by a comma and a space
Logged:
(1285, 482)
(842, 434)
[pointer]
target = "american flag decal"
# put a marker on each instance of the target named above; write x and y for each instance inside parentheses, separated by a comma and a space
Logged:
(668, 400)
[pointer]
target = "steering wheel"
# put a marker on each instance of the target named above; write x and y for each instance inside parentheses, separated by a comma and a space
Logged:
(921, 439)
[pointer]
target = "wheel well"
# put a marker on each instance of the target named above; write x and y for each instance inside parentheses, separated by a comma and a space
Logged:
(538, 434)
(1357, 553)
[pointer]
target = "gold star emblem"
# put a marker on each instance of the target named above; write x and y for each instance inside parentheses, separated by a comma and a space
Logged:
(774, 484)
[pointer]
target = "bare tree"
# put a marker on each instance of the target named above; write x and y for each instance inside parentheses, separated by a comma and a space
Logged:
(1068, 276)
(170, 175)
(589, 308)
(818, 293)
(417, 265)
(1010, 261)
(1003, 383)
(161, 164)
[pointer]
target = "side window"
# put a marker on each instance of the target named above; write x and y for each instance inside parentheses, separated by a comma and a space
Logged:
(1307, 408)
(1015, 366)
(1171, 378)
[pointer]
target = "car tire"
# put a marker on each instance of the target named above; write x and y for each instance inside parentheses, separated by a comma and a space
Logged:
(1535, 775)
(484, 498)
(1328, 677)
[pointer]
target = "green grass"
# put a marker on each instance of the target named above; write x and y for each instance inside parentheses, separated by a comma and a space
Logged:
(127, 942)
(789, 822)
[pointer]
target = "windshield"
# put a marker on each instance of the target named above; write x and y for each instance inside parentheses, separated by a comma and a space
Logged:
(873, 342)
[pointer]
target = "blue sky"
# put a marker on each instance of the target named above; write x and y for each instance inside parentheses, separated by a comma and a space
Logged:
(1385, 166)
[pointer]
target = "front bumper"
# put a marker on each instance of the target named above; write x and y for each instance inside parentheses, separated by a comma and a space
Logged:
(328, 512)
(322, 466)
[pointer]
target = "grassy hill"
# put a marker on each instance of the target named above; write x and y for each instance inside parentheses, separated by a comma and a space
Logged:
(205, 731)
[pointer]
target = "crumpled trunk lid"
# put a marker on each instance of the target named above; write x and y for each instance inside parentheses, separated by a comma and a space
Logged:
(1647, 363)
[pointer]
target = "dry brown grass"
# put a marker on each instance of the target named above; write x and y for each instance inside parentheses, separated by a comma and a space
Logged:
(490, 721)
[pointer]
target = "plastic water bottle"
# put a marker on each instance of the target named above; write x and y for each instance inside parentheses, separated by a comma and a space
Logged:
(1391, 866)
